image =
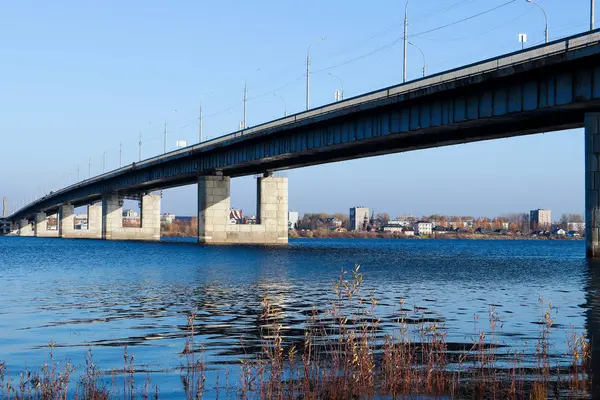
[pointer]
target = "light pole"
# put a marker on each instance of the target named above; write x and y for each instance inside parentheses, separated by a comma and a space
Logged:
(405, 39)
(545, 16)
(200, 115)
(284, 105)
(245, 99)
(423, 54)
(200, 125)
(592, 16)
(341, 81)
(308, 71)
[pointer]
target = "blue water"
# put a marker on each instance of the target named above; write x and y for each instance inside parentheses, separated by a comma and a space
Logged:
(104, 295)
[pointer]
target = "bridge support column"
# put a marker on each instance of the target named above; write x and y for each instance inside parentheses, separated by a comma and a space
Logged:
(66, 223)
(25, 228)
(592, 184)
(112, 219)
(40, 227)
(213, 213)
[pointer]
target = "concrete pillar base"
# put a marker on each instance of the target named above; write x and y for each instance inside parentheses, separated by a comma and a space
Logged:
(214, 206)
(25, 228)
(112, 219)
(592, 184)
(66, 223)
(40, 227)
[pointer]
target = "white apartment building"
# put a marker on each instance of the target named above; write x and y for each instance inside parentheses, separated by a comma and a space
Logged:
(423, 228)
(359, 217)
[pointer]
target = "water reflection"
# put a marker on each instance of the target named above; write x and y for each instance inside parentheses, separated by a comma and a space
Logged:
(109, 294)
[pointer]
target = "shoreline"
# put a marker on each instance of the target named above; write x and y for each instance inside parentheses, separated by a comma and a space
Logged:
(379, 235)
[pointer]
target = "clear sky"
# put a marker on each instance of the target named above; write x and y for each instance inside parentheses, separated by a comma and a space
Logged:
(77, 78)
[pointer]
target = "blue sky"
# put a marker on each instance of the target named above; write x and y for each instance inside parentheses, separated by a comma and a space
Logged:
(78, 78)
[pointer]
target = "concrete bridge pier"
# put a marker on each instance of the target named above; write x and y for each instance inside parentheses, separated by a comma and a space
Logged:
(25, 228)
(66, 223)
(592, 184)
(214, 204)
(40, 227)
(112, 219)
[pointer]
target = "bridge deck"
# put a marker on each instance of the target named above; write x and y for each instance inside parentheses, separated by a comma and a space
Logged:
(543, 88)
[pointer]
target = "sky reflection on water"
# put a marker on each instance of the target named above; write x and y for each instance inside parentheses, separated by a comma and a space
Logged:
(110, 294)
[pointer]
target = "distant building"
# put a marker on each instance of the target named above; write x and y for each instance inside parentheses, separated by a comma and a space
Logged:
(293, 219)
(559, 232)
(393, 228)
(540, 219)
(576, 226)
(131, 214)
(359, 218)
(403, 223)
(251, 220)
(505, 225)
(409, 232)
(333, 223)
(423, 228)
(167, 218)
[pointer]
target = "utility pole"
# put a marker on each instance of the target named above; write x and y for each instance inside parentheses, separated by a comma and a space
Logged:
(592, 14)
(308, 80)
(200, 125)
(308, 72)
(120, 154)
(165, 136)
(405, 39)
(245, 99)
(140, 146)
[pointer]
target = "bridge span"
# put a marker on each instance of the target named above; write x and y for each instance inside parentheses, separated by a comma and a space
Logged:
(549, 87)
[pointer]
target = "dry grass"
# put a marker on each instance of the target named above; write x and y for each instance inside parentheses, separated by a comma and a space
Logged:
(345, 354)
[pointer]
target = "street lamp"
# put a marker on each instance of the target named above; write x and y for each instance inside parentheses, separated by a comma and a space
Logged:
(423, 54)
(341, 81)
(545, 16)
(308, 71)
(284, 105)
(405, 38)
(592, 7)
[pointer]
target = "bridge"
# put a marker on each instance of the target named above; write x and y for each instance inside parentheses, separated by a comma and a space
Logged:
(550, 87)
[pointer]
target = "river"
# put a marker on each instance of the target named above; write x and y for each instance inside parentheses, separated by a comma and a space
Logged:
(104, 295)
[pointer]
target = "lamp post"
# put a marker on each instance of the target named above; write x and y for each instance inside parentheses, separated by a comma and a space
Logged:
(545, 16)
(423, 54)
(308, 71)
(245, 100)
(284, 105)
(341, 81)
(405, 39)
(200, 125)
(592, 14)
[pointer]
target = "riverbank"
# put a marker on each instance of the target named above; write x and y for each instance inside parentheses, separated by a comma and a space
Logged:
(382, 235)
